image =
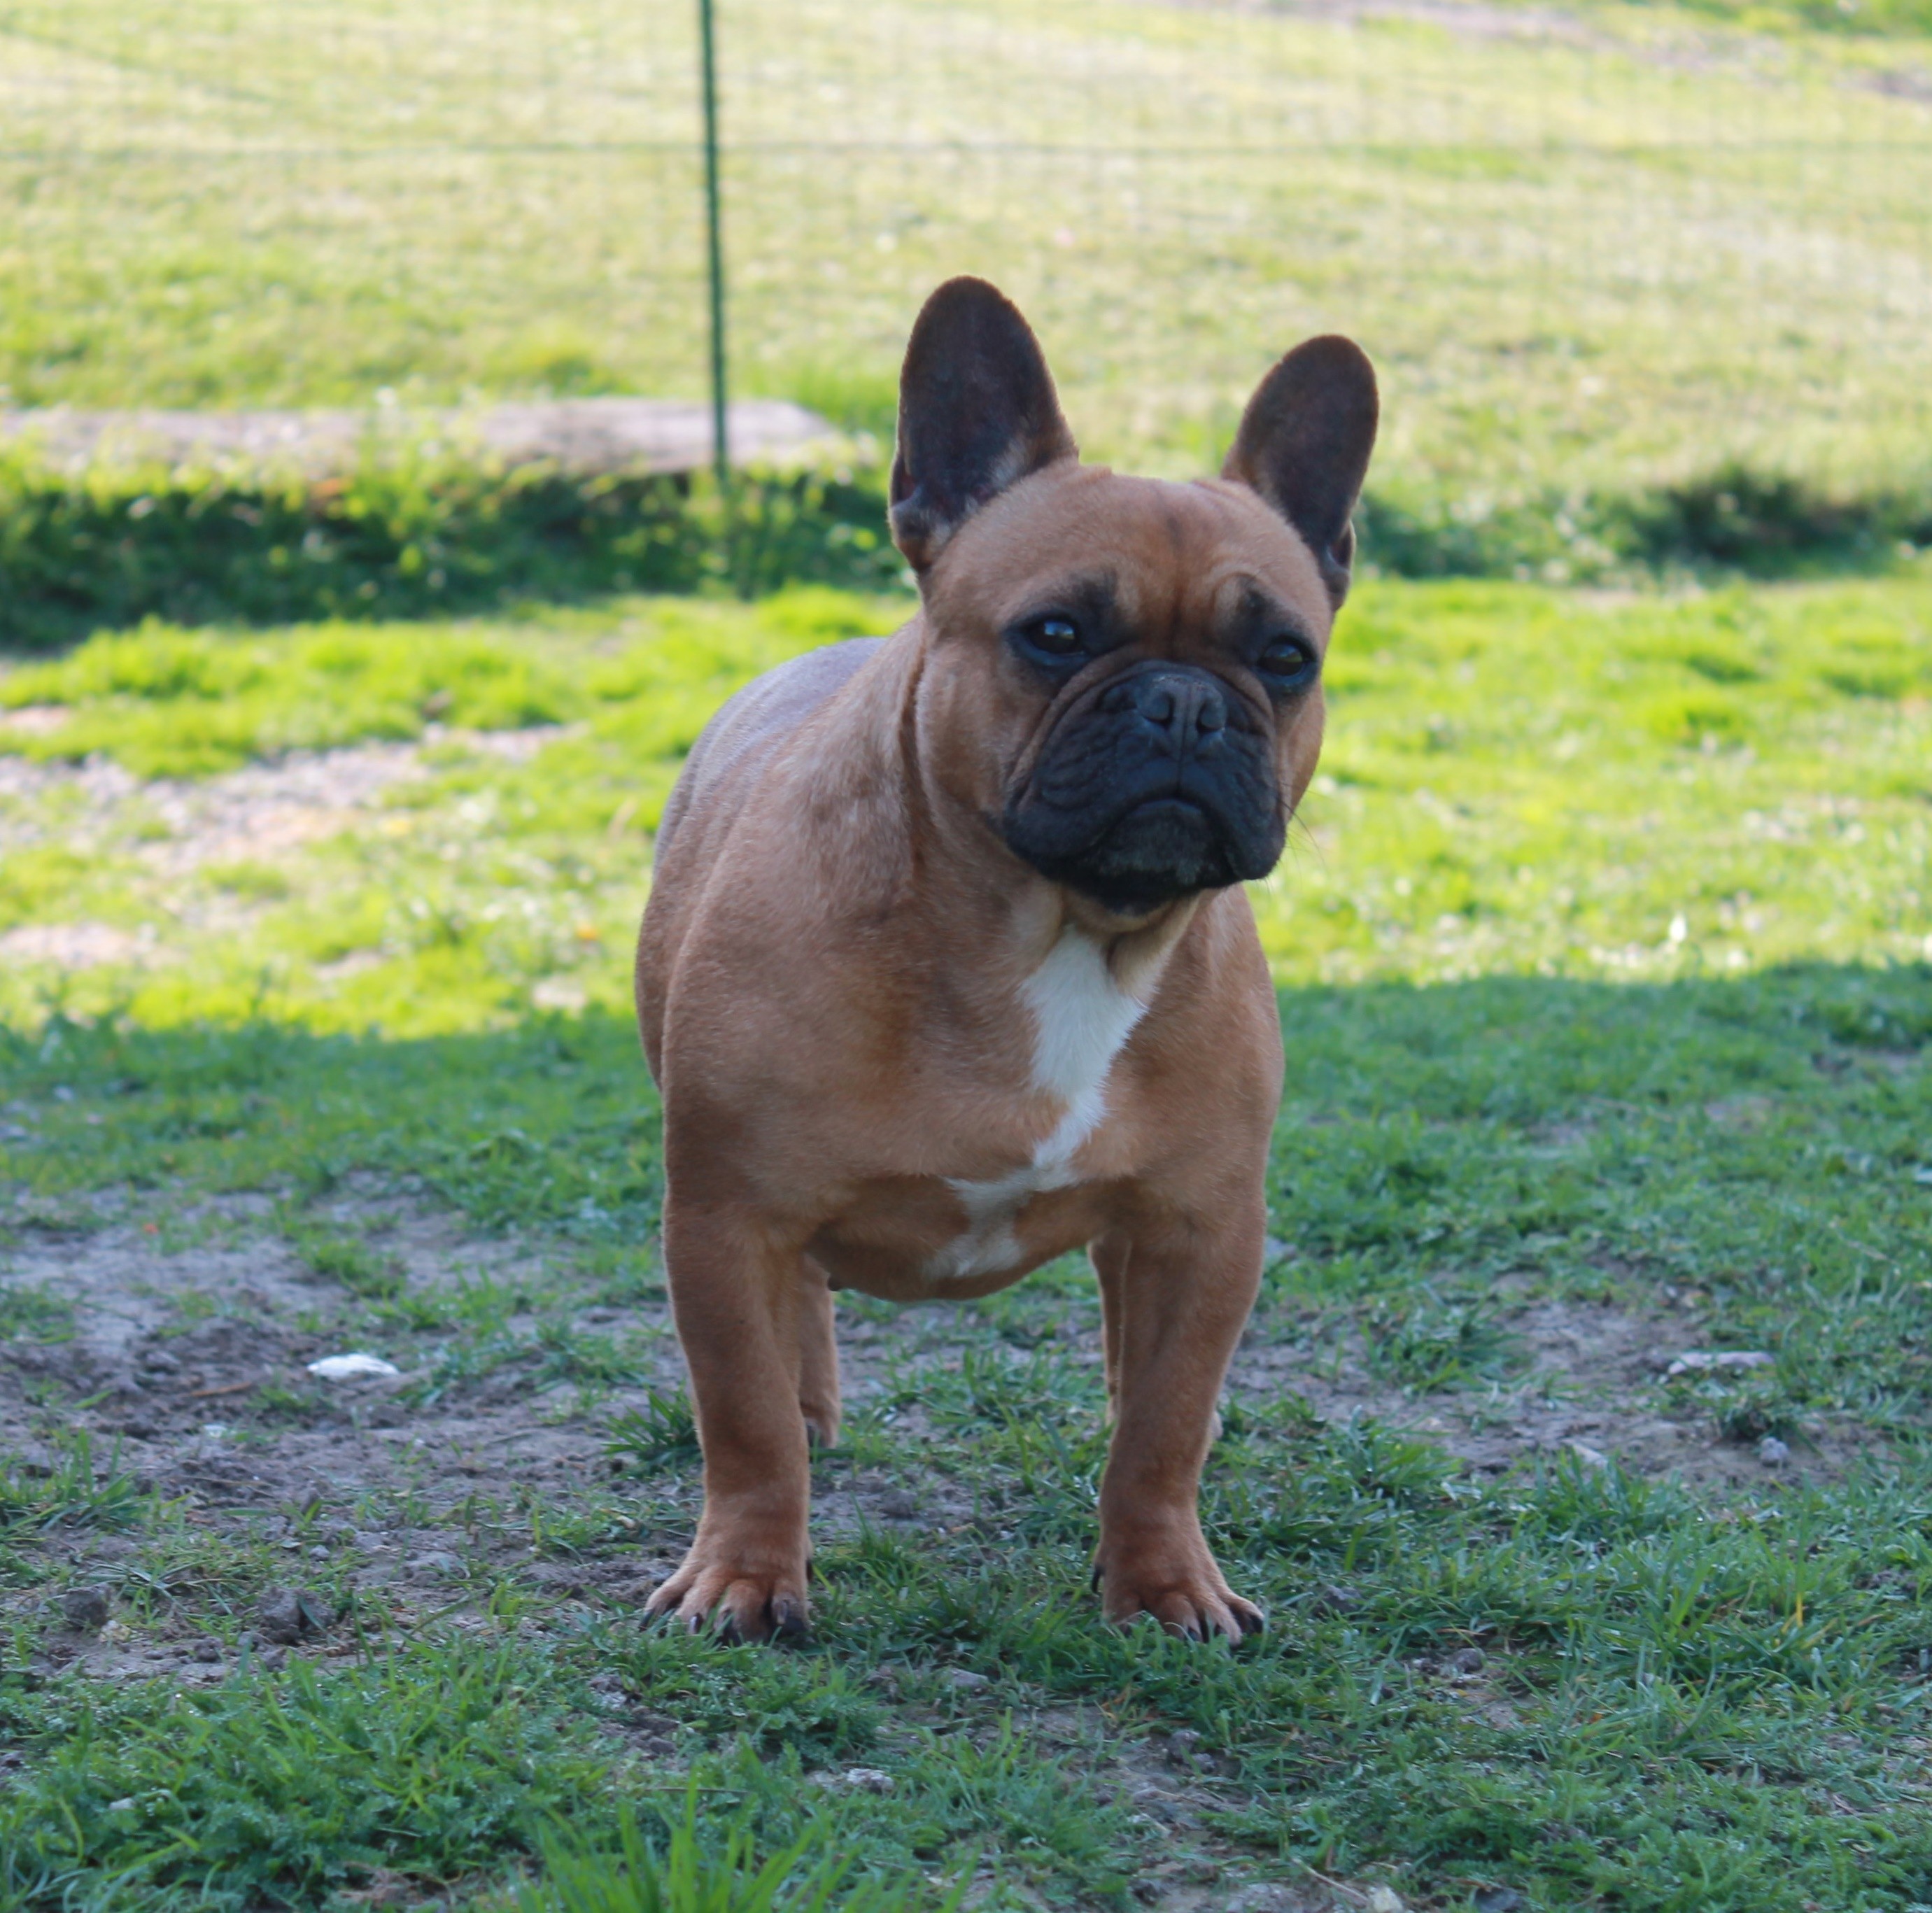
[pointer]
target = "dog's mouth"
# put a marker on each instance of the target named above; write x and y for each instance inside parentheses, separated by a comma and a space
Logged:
(1156, 784)
(1165, 848)
(1157, 849)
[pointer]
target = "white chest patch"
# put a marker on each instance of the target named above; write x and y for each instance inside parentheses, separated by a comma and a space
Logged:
(1081, 1018)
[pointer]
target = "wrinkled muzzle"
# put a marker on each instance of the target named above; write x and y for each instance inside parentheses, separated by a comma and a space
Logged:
(1158, 783)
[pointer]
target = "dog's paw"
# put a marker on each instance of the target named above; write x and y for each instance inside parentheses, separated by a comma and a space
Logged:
(741, 1595)
(1182, 1588)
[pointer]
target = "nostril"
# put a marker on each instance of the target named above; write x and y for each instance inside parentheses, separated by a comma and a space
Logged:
(1213, 715)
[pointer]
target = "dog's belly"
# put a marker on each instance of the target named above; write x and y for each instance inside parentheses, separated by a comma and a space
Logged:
(929, 1239)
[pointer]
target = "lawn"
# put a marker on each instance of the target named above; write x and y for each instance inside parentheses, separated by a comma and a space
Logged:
(1603, 965)
(1603, 943)
(1593, 252)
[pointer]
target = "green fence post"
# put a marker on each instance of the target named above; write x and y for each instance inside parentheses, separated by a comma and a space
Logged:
(720, 450)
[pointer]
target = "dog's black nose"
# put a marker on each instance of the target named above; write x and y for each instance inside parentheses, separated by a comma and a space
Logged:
(1187, 707)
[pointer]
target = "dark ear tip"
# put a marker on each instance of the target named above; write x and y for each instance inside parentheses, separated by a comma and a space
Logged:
(1337, 359)
(967, 285)
(965, 299)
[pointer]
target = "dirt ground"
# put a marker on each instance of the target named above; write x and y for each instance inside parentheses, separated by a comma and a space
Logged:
(175, 1349)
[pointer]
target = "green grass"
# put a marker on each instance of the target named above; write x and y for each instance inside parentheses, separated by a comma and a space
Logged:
(1513, 1087)
(1705, 1701)
(1590, 259)
(1519, 779)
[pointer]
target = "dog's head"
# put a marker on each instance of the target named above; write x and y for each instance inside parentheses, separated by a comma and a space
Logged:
(1123, 675)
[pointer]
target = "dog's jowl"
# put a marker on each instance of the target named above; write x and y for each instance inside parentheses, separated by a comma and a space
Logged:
(947, 968)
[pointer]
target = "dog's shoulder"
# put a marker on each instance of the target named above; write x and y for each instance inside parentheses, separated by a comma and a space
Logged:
(755, 721)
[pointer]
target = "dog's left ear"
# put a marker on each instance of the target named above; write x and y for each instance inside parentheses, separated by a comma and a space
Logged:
(1304, 446)
(977, 414)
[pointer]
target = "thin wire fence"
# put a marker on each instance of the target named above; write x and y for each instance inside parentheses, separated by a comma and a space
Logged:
(1591, 250)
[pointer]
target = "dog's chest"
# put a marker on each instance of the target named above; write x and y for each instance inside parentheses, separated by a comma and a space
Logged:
(1081, 1018)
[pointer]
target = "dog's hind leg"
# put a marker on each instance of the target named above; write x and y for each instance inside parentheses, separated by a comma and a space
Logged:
(1109, 1258)
(818, 1358)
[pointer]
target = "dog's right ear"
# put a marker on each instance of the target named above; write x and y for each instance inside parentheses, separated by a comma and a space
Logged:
(977, 413)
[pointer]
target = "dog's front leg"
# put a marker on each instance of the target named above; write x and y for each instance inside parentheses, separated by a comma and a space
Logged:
(1173, 1301)
(737, 1293)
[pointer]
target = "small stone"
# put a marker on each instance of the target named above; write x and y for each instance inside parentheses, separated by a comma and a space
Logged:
(285, 1616)
(1146, 1891)
(207, 1651)
(1773, 1453)
(964, 1678)
(1498, 1899)
(1466, 1660)
(124, 1805)
(898, 1505)
(434, 1564)
(867, 1780)
(357, 1366)
(1698, 1361)
(1384, 1899)
(1183, 1747)
(1268, 1897)
(84, 1609)
(1591, 1457)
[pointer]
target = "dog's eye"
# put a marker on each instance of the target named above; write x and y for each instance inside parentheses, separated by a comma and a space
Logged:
(1051, 636)
(1289, 661)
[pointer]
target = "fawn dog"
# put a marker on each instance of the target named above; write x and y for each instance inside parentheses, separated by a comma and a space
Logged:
(947, 969)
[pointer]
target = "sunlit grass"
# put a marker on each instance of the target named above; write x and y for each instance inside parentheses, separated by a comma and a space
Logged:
(1516, 779)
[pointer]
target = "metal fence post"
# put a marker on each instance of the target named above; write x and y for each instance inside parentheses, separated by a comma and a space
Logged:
(720, 450)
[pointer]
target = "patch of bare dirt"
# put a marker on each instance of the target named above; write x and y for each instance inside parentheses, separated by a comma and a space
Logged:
(582, 435)
(1594, 1385)
(194, 1363)
(190, 1351)
(175, 824)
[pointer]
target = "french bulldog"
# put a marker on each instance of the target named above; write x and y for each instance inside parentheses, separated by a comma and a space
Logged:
(947, 968)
